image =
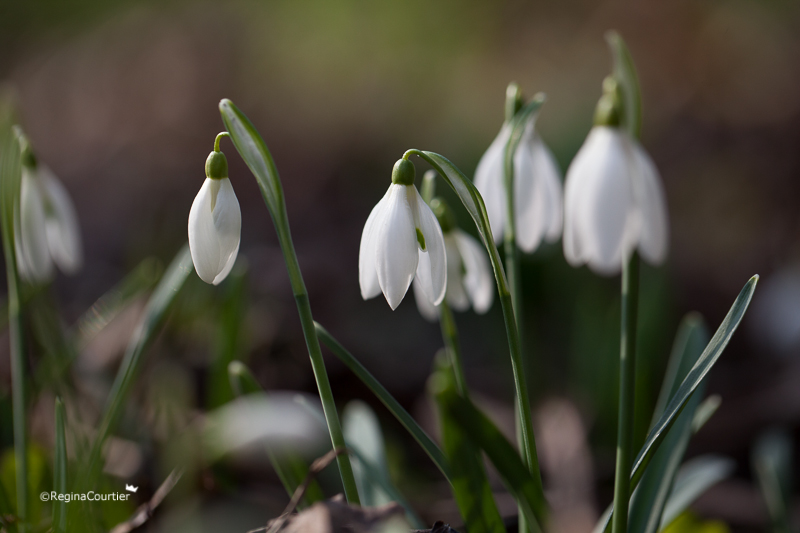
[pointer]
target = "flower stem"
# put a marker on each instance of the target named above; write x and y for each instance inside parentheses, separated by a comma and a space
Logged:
(218, 138)
(453, 346)
(627, 389)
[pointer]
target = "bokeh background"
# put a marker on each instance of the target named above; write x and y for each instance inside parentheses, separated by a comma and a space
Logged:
(120, 99)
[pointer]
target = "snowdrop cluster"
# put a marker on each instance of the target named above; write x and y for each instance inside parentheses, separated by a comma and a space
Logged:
(215, 223)
(48, 233)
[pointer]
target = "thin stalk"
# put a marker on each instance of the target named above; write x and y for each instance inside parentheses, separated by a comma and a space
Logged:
(255, 153)
(10, 173)
(453, 347)
(627, 389)
(513, 104)
(60, 469)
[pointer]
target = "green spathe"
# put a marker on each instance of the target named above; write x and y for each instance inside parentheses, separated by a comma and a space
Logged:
(404, 172)
(217, 166)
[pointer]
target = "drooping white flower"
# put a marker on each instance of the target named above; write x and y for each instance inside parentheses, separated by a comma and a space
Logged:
(48, 231)
(537, 189)
(215, 223)
(614, 203)
(402, 241)
(469, 275)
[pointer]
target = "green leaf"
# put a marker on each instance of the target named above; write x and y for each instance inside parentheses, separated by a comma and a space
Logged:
(650, 497)
(695, 376)
(485, 435)
(60, 469)
(624, 71)
(772, 462)
(705, 411)
(230, 344)
(149, 325)
(290, 468)
(470, 485)
(387, 399)
(693, 479)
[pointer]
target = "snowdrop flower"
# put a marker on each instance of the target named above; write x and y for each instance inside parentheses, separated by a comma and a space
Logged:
(614, 201)
(402, 241)
(215, 223)
(469, 276)
(537, 188)
(48, 230)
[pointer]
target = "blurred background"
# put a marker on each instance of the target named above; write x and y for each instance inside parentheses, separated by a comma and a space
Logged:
(120, 100)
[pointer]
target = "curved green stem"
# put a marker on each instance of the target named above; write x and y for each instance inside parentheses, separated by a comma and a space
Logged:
(255, 153)
(474, 204)
(218, 138)
(627, 390)
(453, 345)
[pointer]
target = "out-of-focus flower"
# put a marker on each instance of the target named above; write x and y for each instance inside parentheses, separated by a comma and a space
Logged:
(469, 274)
(614, 202)
(402, 240)
(537, 188)
(48, 230)
(215, 223)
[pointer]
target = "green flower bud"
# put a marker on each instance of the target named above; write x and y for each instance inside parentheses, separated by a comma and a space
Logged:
(216, 166)
(404, 172)
(443, 214)
(609, 108)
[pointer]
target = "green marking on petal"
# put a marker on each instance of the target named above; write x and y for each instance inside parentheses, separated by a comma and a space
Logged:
(421, 239)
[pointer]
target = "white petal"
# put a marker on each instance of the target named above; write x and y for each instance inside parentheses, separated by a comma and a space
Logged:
(478, 277)
(599, 201)
(215, 224)
(33, 257)
(531, 207)
(547, 169)
(367, 271)
(396, 250)
(652, 207)
(428, 311)
(432, 269)
(63, 230)
(490, 183)
(456, 294)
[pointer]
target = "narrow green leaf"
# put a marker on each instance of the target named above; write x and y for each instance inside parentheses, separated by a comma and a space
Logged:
(524, 118)
(231, 334)
(470, 485)
(772, 462)
(696, 375)
(290, 468)
(504, 457)
(145, 332)
(60, 469)
(705, 411)
(387, 399)
(624, 71)
(693, 479)
(650, 497)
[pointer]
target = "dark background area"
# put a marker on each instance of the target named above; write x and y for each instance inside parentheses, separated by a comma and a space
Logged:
(120, 99)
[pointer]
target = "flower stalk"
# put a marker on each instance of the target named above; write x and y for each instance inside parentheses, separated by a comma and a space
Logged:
(254, 151)
(627, 391)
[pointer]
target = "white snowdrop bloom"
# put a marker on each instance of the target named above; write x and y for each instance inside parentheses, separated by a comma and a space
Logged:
(402, 240)
(537, 189)
(614, 201)
(48, 231)
(470, 280)
(215, 223)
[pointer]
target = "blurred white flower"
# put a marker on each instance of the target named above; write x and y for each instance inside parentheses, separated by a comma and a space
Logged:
(215, 223)
(614, 203)
(48, 229)
(402, 240)
(537, 189)
(469, 275)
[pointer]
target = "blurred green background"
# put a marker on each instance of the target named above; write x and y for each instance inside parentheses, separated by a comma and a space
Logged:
(120, 99)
